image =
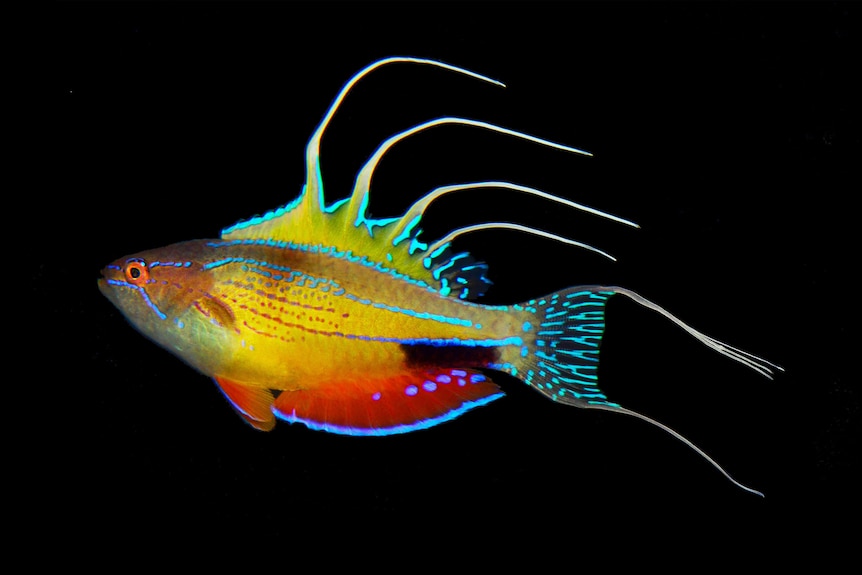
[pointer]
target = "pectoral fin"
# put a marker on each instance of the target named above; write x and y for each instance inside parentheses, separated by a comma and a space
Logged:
(216, 311)
(406, 402)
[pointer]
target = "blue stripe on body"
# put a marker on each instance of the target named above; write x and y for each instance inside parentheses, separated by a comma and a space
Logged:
(348, 255)
(255, 266)
(150, 303)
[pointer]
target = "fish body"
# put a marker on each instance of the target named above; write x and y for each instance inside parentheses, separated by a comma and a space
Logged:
(274, 317)
(321, 328)
(316, 313)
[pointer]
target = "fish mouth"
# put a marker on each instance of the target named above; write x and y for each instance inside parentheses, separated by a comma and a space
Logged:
(102, 282)
(106, 280)
(110, 288)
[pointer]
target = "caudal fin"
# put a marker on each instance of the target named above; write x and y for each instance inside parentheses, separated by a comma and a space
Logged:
(562, 362)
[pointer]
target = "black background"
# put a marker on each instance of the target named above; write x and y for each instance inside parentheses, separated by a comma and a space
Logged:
(727, 131)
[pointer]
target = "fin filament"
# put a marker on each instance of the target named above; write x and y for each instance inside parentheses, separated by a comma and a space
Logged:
(562, 361)
(314, 197)
(518, 227)
(359, 198)
(419, 207)
(681, 438)
(758, 364)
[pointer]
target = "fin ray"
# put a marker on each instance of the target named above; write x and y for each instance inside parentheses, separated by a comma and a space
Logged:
(252, 404)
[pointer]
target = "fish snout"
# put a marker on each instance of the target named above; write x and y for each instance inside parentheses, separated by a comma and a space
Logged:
(109, 275)
(110, 272)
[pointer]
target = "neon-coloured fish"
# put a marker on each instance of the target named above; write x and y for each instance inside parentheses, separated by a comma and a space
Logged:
(317, 314)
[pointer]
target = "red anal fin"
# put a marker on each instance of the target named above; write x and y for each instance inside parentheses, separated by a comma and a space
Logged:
(407, 402)
(253, 404)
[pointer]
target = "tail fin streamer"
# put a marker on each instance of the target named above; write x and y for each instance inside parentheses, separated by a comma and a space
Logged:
(562, 362)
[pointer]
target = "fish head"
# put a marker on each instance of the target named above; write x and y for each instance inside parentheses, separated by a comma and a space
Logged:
(166, 294)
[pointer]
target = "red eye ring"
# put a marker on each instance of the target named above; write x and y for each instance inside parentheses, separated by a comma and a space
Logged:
(136, 272)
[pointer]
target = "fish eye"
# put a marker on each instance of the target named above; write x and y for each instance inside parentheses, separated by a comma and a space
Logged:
(136, 272)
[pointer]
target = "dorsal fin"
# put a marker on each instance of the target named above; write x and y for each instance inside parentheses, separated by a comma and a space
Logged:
(309, 223)
(392, 244)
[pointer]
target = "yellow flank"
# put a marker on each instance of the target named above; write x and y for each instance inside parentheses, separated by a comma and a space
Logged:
(302, 329)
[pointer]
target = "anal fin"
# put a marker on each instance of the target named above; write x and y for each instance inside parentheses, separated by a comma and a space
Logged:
(409, 401)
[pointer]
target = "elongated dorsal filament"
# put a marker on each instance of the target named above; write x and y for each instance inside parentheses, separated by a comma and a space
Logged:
(419, 207)
(314, 194)
(359, 198)
(517, 227)
(415, 212)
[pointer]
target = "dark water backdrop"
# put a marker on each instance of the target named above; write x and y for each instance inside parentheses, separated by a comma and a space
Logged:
(727, 131)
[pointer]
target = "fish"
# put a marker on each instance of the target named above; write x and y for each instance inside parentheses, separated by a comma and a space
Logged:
(316, 313)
